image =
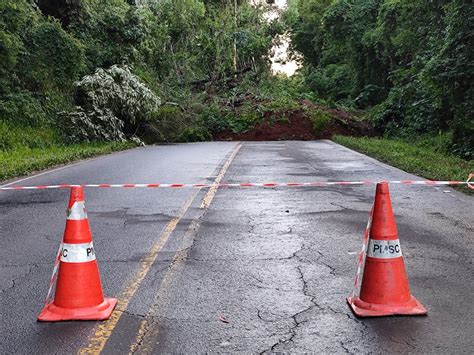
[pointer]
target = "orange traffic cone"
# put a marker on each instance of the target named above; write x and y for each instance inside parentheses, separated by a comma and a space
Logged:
(78, 290)
(385, 289)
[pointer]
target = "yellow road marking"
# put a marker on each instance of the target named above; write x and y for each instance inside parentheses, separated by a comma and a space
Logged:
(212, 191)
(103, 331)
(140, 345)
(177, 263)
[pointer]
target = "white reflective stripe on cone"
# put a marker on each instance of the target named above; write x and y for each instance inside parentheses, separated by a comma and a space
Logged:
(77, 253)
(384, 249)
(77, 211)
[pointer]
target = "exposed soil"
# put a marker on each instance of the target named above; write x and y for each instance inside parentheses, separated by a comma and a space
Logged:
(295, 125)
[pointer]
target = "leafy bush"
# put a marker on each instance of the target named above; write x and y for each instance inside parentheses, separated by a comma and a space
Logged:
(213, 118)
(281, 105)
(10, 48)
(335, 81)
(14, 137)
(319, 118)
(111, 103)
(113, 31)
(22, 108)
(53, 58)
(166, 124)
(96, 124)
(244, 119)
(194, 134)
(463, 139)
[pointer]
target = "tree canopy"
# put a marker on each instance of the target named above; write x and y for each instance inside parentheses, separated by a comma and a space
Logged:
(410, 62)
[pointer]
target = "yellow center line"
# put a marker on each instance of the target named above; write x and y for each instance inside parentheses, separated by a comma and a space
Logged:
(103, 331)
(176, 265)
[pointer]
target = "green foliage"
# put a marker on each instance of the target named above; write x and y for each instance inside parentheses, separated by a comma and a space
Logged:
(334, 81)
(14, 137)
(40, 61)
(194, 134)
(16, 15)
(319, 118)
(110, 102)
(22, 108)
(245, 118)
(214, 118)
(250, 102)
(85, 70)
(112, 32)
(166, 124)
(408, 62)
(305, 18)
(463, 138)
(170, 45)
(53, 58)
(182, 41)
(10, 48)
(281, 104)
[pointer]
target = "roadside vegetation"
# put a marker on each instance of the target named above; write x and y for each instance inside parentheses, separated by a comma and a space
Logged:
(26, 149)
(80, 77)
(408, 64)
(424, 158)
(24, 160)
(84, 77)
(80, 73)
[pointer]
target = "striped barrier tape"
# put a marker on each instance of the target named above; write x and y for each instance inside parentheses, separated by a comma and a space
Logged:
(468, 182)
(362, 253)
(326, 183)
(53, 276)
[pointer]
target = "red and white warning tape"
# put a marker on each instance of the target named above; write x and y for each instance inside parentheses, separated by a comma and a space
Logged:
(468, 182)
(53, 276)
(362, 253)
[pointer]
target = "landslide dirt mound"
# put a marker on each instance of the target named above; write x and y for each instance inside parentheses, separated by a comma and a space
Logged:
(296, 125)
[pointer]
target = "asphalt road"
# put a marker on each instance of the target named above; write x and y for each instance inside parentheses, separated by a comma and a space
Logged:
(237, 270)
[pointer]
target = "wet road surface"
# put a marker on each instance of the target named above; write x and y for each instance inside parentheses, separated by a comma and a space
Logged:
(237, 270)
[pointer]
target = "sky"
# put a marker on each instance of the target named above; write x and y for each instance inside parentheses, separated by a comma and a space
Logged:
(281, 64)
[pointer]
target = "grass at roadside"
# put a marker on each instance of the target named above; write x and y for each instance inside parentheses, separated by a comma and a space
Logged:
(419, 160)
(23, 160)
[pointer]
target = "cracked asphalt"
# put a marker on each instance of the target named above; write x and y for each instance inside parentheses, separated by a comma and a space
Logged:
(254, 270)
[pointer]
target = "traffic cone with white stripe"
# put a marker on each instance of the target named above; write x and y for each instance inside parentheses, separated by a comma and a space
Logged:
(78, 293)
(385, 289)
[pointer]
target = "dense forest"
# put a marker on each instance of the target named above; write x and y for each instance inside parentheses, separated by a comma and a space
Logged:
(75, 71)
(112, 70)
(409, 64)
